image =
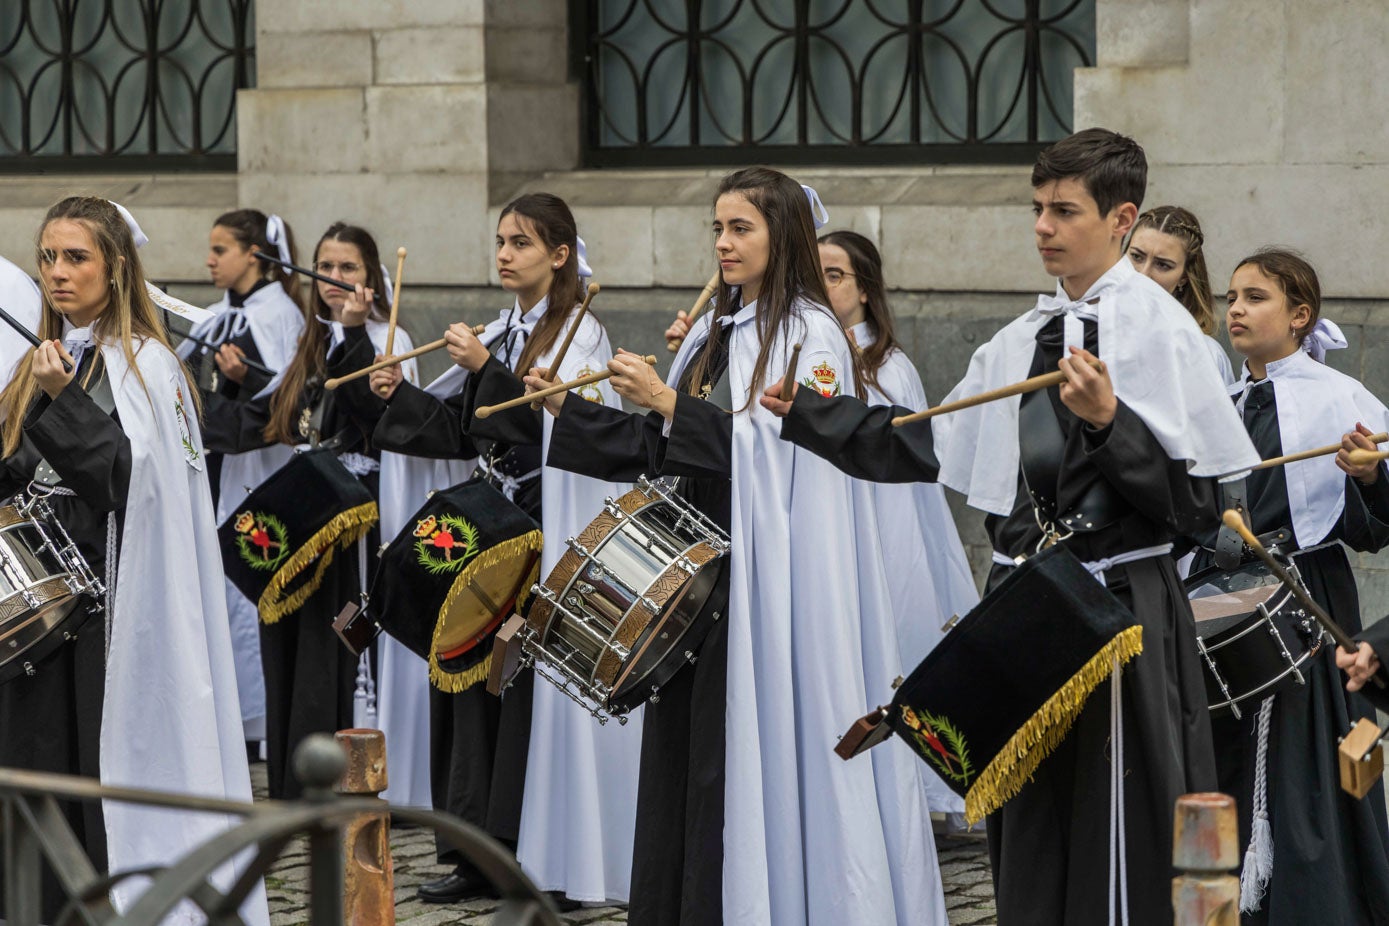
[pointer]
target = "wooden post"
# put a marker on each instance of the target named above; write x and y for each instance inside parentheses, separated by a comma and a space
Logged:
(1205, 848)
(369, 886)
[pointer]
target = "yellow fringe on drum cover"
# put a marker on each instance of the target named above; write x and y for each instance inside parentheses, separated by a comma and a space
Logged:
(1012, 768)
(341, 532)
(529, 543)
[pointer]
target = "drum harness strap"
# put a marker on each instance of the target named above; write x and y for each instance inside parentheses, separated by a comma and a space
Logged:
(47, 482)
(507, 484)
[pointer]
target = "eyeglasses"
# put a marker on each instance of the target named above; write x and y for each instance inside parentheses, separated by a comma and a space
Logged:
(326, 267)
(834, 276)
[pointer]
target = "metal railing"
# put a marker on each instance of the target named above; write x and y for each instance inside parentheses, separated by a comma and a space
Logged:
(37, 833)
(852, 81)
(119, 85)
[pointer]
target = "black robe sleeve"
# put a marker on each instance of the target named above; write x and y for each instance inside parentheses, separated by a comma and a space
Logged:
(420, 425)
(521, 426)
(605, 443)
(700, 442)
(230, 426)
(356, 399)
(1364, 523)
(860, 439)
(84, 445)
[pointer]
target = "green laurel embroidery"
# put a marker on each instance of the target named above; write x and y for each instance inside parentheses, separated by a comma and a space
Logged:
(267, 528)
(460, 533)
(941, 743)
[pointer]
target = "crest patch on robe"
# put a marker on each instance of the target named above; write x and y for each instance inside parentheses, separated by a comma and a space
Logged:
(824, 379)
(591, 392)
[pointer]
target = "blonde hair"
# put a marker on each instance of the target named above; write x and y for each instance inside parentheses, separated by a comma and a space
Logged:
(129, 315)
(1181, 224)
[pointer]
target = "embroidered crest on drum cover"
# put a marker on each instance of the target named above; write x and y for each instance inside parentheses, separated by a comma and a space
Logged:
(262, 540)
(591, 392)
(823, 379)
(940, 743)
(444, 543)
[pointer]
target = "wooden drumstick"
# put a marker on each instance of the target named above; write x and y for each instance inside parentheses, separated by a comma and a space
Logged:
(1235, 522)
(788, 382)
(487, 411)
(1361, 457)
(1046, 380)
(1324, 452)
(705, 295)
(395, 300)
(432, 346)
(553, 371)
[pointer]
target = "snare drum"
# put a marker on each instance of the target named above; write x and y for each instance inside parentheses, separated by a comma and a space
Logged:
(629, 603)
(44, 584)
(1254, 637)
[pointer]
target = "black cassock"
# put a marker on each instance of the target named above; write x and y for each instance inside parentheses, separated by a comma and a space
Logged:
(677, 864)
(479, 743)
(51, 721)
(1050, 844)
(310, 675)
(1330, 859)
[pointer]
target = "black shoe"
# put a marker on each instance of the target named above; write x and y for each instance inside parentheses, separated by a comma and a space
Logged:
(562, 902)
(455, 886)
(253, 752)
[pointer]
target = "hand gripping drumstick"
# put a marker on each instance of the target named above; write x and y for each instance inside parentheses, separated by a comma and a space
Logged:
(1361, 457)
(705, 295)
(429, 348)
(395, 301)
(788, 382)
(1326, 452)
(29, 336)
(1045, 381)
(308, 273)
(1235, 522)
(551, 373)
(487, 411)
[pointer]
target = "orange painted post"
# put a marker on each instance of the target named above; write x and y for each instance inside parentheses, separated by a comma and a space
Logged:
(1205, 848)
(369, 886)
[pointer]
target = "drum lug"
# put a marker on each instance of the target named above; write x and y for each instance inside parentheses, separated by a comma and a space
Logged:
(611, 507)
(30, 599)
(690, 657)
(716, 615)
(655, 694)
(29, 669)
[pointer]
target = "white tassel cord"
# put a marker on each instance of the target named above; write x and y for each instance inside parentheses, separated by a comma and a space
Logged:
(364, 695)
(1258, 858)
(1118, 840)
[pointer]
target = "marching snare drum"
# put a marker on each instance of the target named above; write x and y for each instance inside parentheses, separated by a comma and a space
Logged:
(629, 603)
(1254, 638)
(44, 584)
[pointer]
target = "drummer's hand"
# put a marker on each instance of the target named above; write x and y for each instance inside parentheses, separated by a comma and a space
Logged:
(1088, 392)
(357, 307)
(384, 381)
(464, 347)
(229, 360)
(636, 381)
(535, 381)
(48, 367)
(771, 399)
(1359, 439)
(680, 327)
(1360, 665)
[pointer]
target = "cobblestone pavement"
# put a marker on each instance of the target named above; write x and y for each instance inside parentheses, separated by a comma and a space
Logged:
(964, 865)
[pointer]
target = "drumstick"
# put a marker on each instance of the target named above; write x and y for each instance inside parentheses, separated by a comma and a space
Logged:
(788, 383)
(1046, 380)
(205, 345)
(395, 301)
(705, 295)
(1361, 457)
(487, 411)
(1235, 522)
(1323, 452)
(29, 336)
(308, 273)
(551, 373)
(432, 346)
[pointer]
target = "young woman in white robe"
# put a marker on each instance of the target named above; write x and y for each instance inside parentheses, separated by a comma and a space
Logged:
(796, 835)
(924, 559)
(144, 693)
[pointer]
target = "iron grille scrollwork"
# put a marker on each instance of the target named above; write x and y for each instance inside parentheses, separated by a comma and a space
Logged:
(850, 81)
(122, 84)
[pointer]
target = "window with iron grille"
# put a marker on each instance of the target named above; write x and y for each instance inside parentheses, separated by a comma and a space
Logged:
(122, 85)
(695, 82)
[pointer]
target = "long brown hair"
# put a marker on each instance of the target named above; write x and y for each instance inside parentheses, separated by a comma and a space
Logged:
(553, 223)
(129, 315)
(310, 363)
(250, 227)
(867, 266)
(793, 269)
(1181, 224)
(1298, 279)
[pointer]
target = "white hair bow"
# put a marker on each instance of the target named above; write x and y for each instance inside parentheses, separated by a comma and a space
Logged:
(818, 212)
(386, 277)
(1324, 337)
(141, 239)
(585, 271)
(275, 234)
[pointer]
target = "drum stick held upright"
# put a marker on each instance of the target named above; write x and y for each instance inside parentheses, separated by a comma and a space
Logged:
(487, 411)
(395, 300)
(1326, 451)
(1045, 381)
(705, 295)
(553, 372)
(429, 348)
(1235, 522)
(788, 382)
(308, 273)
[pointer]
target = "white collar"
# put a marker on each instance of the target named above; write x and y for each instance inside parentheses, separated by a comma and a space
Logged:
(514, 315)
(741, 317)
(863, 334)
(1276, 368)
(1111, 279)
